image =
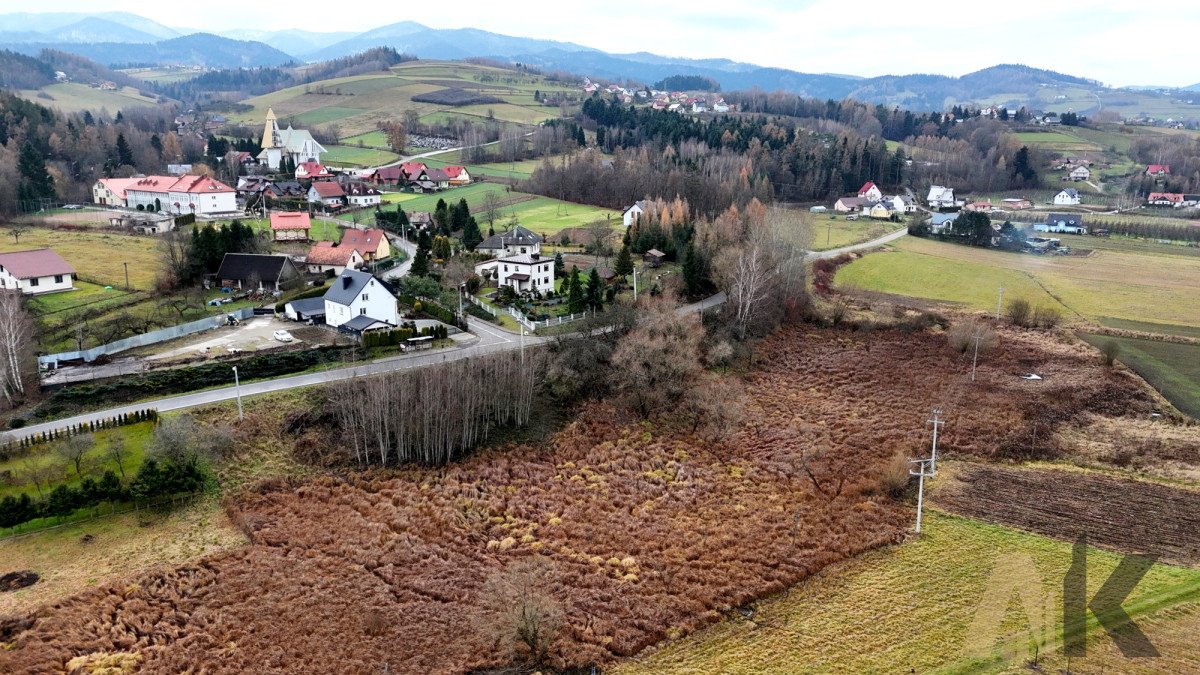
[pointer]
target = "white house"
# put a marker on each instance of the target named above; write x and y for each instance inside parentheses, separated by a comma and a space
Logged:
(1081, 173)
(942, 198)
(850, 204)
(362, 195)
(278, 143)
(325, 256)
(36, 271)
(200, 195)
(523, 273)
(517, 241)
(870, 191)
(326, 193)
(1068, 197)
(1062, 223)
(941, 223)
(633, 213)
(897, 204)
(354, 294)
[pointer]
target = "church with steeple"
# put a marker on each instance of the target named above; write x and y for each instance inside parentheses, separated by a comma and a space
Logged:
(297, 144)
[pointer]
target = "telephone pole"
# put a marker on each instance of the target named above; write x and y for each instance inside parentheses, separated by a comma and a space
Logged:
(936, 423)
(126, 276)
(238, 387)
(921, 466)
(635, 284)
(975, 359)
(999, 300)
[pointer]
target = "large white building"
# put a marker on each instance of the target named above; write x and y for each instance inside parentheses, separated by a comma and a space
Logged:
(200, 195)
(36, 271)
(278, 143)
(523, 273)
(356, 294)
(1067, 197)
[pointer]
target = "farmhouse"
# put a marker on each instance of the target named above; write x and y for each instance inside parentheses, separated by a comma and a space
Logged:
(36, 271)
(372, 244)
(358, 294)
(388, 175)
(327, 193)
(523, 272)
(361, 195)
(1067, 197)
(252, 271)
(1158, 170)
(1063, 223)
(850, 204)
(290, 225)
(458, 175)
(1080, 173)
(326, 255)
(517, 241)
(870, 191)
(312, 171)
(942, 198)
(438, 177)
(1170, 199)
(632, 213)
(295, 144)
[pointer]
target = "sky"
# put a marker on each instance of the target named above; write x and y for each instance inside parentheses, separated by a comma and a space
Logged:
(1115, 41)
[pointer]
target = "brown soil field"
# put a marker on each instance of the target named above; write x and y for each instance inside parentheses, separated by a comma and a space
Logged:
(649, 531)
(1128, 516)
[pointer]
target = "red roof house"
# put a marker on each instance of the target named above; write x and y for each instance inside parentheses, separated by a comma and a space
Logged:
(869, 190)
(1158, 170)
(38, 270)
(327, 255)
(372, 244)
(458, 175)
(312, 170)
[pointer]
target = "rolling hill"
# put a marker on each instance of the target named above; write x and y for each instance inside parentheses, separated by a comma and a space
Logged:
(199, 49)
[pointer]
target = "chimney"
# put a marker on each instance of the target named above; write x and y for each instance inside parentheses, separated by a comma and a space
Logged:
(346, 282)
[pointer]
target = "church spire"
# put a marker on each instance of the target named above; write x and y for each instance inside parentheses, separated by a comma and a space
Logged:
(270, 131)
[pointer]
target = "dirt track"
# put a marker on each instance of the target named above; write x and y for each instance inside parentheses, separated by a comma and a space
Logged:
(1129, 516)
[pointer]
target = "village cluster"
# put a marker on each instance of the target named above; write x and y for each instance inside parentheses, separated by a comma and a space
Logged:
(673, 101)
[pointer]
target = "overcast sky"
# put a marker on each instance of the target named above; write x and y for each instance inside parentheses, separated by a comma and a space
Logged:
(1117, 42)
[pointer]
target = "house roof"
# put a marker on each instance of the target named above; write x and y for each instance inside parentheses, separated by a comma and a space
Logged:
(308, 306)
(437, 175)
(38, 262)
(1071, 192)
(118, 186)
(313, 169)
(199, 184)
(241, 266)
(1074, 220)
(347, 286)
(942, 218)
(1158, 168)
(290, 220)
(656, 253)
(606, 273)
(328, 190)
(413, 168)
(360, 189)
(362, 322)
(294, 140)
(525, 259)
(366, 241)
(866, 186)
(454, 171)
(389, 173)
(1165, 197)
(518, 236)
(854, 201)
(326, 253)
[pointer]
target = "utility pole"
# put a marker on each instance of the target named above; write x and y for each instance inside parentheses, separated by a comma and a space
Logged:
(522, 345)
(828, 230)
(999, 300)
(126, 276)
(975, 359)
(936, 423)
(921, 464)
(635, 284)
(237, 385)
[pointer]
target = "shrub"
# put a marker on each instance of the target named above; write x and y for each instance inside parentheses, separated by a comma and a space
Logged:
(1019, 312)
(1110, 349)
(961, 336)
(16, 423)
(895, 478)
(1046, 317)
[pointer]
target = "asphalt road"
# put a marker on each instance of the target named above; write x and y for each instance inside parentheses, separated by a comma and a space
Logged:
(490, 340)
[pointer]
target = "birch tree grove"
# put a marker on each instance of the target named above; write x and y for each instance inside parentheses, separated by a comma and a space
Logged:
(16, 343)
(433, 415)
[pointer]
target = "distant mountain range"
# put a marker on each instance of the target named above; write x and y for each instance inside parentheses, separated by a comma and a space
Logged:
(118, 38)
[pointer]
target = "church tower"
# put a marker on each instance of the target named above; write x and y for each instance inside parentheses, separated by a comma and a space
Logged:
(270, 137)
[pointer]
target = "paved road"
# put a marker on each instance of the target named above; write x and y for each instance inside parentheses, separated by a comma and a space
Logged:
(491, 340)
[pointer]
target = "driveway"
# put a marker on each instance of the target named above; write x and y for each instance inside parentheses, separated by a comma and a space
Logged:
(252, 335)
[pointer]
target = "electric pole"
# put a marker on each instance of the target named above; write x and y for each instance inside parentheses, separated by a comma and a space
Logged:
(635, 284)
(999, 300)
(126, 276)
(921, 465)
(933, 457)
(238, 388)
(975, 359)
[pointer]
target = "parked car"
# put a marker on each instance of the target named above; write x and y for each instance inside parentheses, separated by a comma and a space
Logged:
(283, 336)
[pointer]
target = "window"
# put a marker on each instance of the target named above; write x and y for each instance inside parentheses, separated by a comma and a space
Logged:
(58, 278)
(364, 297)
(33, 281)
(362, 310)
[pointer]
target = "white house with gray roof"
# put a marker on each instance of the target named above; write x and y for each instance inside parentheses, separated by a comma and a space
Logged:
(517, 241)
(358, 294)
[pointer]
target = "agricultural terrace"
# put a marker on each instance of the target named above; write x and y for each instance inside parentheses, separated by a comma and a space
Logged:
(358, 104)
(542, 215)
(937, 602)
(1107, 283)
(648, 532)
(73, 97)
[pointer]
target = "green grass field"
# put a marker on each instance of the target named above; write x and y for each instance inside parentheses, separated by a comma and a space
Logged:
(371, 139)
(1171, 368)
(542, 215)
(349, 155)
(1117, 284)
(324, 114)
(85, 293)
(834, 231)
(922, 606)
(71, 97)
(134, 438)
(96, 256)
(162, 75)
(1149, 327)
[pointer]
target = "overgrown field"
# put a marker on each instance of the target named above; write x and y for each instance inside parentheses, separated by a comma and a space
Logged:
(942, 602)
(1117, 284)
(96, 255)
(647, 532)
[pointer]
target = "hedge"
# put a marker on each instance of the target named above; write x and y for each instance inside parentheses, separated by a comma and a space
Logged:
(20, 448)
(432, 309)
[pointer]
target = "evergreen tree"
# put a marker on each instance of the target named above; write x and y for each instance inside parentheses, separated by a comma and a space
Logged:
(575, 299)
(693, 271)
(600, 136)
(441, 217)
(420, 266)
(459, 215)
(156, 143)
(124, 154)
(471, 235)
(595, 290)
(88, 119)
(624, 264)
(35, 181)
(559, 268)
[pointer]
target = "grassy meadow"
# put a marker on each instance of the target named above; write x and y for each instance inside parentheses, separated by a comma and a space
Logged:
(133, 437)
(349, 155)
(97, 256)
(924, 605)
(73, 97)
(1108, 283)
(834, 231)
(542, 215)
(1171, 368)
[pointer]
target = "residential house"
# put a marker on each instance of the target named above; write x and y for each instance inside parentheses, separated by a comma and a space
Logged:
(1190, 201)
(296, 144)
(654, 257)
(721, 107)
(199, 195)
(420, 219)
(880, 211)
(36, 271)
(388, 175)
(632, 213)
(290, 225)
(414, 172)
(373, 244)
(942, 223)
(870, 191)
(306, 309)
(941, 197)
(1016, 204)
(438, 177)
(458, 175)
(517, 241)
(910, 205)
(1062, 223)
(361, 195)
(328, 194)
(1171, 199)
(1158, 170)
(111, 191)
(1080, 173)
(326, 255)
(358, 294)
(981, 207)
(527, 272)
(850, 204)
(312, 171)
(252, 271)
(1068, 197)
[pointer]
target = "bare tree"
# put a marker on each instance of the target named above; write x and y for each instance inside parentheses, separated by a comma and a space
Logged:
(16, 346)
(16, 230)
(747, 273)
(117, 452)
(175, 259)
(491, 207)
(38, 472)
(518, 612)
(658, 361)
(600, 234)
(73, 450)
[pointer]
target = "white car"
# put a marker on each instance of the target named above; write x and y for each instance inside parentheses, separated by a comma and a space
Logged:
(283, 336)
